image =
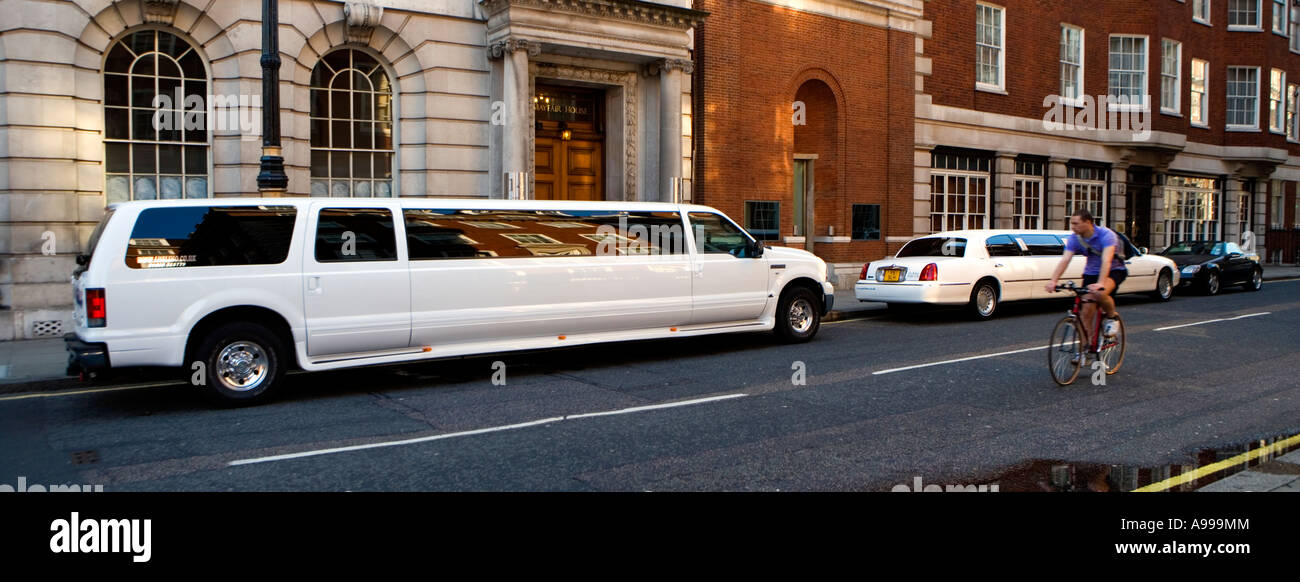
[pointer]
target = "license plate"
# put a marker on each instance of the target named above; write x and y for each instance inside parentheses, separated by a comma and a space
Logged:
(890, 275)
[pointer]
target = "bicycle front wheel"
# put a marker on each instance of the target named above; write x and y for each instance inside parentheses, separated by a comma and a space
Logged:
(1065, 353)
(1112, 349)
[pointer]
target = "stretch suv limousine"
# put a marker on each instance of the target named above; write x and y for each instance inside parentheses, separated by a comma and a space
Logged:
(239, 290)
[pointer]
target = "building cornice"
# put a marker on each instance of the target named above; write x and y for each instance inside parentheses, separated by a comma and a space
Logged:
(628, 10)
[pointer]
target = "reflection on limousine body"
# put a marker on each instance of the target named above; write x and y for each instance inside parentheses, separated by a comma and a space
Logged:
(251, 287)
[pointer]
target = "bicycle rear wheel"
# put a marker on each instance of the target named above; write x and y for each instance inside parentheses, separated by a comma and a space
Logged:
(1065, 353)
(1112, 349)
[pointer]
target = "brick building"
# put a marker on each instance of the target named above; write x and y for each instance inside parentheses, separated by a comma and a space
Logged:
(804, 121)
(1191, 125)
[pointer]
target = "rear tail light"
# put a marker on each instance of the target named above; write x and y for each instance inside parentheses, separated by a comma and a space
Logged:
(96, 308)
(863, 276)
(930, 272)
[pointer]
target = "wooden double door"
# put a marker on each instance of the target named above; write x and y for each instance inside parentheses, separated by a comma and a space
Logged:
(570, 143)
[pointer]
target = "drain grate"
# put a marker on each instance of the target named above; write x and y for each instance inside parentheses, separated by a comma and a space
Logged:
(53, 327)
(85, 457)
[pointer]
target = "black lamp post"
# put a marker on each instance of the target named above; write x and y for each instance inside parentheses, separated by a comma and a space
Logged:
(272, 178)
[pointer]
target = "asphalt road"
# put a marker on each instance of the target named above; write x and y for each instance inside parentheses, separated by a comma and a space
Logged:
(716, 413)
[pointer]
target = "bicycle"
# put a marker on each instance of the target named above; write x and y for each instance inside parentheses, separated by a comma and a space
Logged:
(1066, 355)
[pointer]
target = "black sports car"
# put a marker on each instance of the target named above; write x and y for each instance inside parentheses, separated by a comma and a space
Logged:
(1211, 264)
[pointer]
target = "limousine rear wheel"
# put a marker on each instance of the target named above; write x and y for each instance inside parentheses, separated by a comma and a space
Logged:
(798, 315)
(242, 362)
(984, 300)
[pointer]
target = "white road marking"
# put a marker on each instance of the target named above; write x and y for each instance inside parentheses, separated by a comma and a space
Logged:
(1211, 321)
(959, 360)
(480, 430)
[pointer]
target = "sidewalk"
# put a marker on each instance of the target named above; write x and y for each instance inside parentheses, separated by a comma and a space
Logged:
(37, 365)
(1281, 475)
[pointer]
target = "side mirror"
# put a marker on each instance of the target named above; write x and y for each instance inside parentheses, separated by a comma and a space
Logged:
(754, 249)
(83, 259)
(1144, 250)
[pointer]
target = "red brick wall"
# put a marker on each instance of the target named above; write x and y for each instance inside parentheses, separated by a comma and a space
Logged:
(752, 60)
(1033, 50)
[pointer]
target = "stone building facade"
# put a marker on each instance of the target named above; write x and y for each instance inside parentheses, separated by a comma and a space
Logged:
(379, 98)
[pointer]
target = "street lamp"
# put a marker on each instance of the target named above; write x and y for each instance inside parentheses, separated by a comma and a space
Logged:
(271, 179)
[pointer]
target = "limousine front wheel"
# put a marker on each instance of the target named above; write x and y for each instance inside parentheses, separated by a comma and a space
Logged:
(242, 361)
(798, 315)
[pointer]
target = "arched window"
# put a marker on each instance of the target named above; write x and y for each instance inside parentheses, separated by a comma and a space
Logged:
(147, 154)
(351, 126)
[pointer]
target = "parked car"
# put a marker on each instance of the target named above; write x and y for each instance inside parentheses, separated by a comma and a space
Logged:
(242, 289)
(983, 268)
(1208, 265)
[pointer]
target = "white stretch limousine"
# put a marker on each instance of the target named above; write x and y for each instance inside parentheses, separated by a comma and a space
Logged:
(241, 289)
(982, 268)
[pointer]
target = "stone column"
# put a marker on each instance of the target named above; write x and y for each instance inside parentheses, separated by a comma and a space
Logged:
(518, 99)
(1117, 213)
(1159, 238)
(1056, 194)
(1004, 189)
(670, 126)
(1228, 215)
(921, 195)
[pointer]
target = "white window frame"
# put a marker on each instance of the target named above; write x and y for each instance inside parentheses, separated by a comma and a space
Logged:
(1028, 189)
(1203, 15)
(1001, 49)
(1191, 209)
(1205, 94)
(1076, 100)
(1259, 19)
(1091, 194)
(1292, 113)
(1284, 11)
(1278, 195)
(1176, 107)
(1294, 29)
(1145, 105)
(1228, 100)
(1277, 108)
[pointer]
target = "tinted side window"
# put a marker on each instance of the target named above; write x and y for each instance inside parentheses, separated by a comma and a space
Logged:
(1002, 246)
(447, 233)
(1043, 244)
(714, 235)
(355, 234)
(210, 236)
(934, 247)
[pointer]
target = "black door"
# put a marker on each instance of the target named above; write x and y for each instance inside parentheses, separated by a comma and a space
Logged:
(1138, 202)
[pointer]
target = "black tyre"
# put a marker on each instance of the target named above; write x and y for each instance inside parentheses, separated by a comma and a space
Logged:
(1212, 283)
(1065, 355)
(1164, 286)
(242, 363)
(983, 300)
(798, 315)
(1256, 281)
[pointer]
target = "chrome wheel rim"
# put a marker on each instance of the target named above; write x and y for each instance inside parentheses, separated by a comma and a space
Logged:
(1214, 283)
(242, 366)
(984, 300)
(1165, 285)
(1258, 279)
(801, 316)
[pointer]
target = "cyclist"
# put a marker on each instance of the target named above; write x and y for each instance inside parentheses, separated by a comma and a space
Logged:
(1103, 272)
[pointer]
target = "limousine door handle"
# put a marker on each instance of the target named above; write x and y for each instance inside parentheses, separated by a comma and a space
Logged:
(999, 265)
(313, 285)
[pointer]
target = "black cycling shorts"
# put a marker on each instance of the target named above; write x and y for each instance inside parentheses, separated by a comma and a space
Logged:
(1116, 275)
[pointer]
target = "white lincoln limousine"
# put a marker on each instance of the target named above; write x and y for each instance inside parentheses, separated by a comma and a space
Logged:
(241, 289)
(982, 268)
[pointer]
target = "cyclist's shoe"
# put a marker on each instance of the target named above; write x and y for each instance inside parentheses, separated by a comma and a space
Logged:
(1111, 327)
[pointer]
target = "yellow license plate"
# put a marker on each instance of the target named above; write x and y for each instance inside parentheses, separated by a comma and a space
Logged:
(891, 275)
